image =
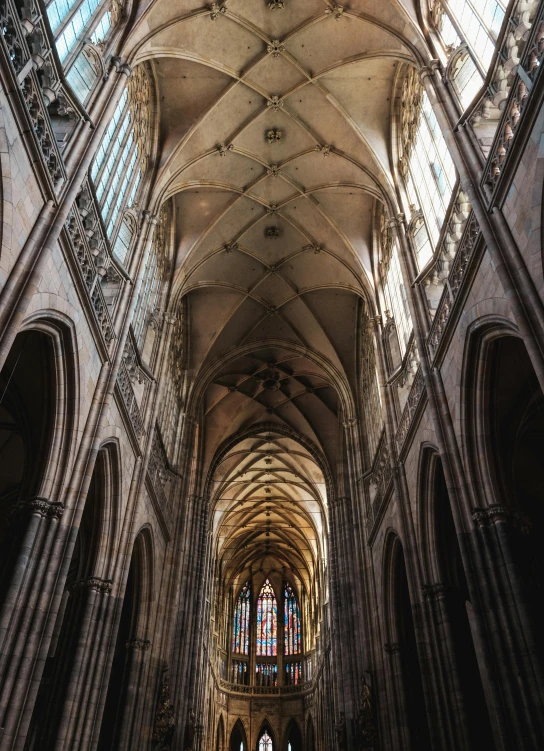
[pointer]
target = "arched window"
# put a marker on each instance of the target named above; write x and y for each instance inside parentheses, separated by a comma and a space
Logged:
(240, 636)
(122, 155)
(265, 742)
(267, 622)
(425, 163)
(394, 293)
(74, 20)
(469, 30)
(291, 614)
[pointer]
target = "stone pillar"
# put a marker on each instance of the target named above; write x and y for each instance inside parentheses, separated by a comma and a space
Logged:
(26, 273)
(128, 736)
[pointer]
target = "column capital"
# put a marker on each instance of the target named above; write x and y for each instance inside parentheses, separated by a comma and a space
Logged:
(392, 648)
(435, 591)
(41, 507)
(140, 645)
(94, 583)
(120, 66)
(484, 517)
(429, 70)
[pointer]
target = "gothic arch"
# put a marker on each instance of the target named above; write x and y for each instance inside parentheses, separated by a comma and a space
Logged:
(120, 720)
(266, 726)
(310, 734)
(293, 736)
(220, 735)
(238, 735)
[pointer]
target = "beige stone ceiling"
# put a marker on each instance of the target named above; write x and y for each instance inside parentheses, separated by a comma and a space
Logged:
(274, 235)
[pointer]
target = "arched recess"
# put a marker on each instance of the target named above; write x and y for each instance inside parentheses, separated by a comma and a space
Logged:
(238, 737)
(266, 738)
(505, 446)
(310, 735)
(293, 737)
(120, 720)
(86, 585)
(448, 591)
(410, 715)
(36, 386)
(220, 736)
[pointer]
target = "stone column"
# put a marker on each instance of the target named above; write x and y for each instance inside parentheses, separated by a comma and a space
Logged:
(518, 285)
(25, 276)
(128, 736)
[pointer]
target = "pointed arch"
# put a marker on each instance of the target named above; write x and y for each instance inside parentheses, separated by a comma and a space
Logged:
(238, 737)
(220, 735)
(266, 738)
(267, 621)
(293, 737)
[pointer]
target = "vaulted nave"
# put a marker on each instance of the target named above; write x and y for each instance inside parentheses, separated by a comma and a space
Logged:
(271, 375)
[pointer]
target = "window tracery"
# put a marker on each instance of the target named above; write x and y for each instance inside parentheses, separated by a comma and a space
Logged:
(425, 164)
(468, 31)
(292, 643)
(122, 156)
(240, 637)
(267, 622)
(265, 742)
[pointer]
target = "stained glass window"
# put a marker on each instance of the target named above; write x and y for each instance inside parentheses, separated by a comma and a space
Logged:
(265, 742)
(267, 623)
(291, 616)
(240, 636)
(266, 674)
(293, 673)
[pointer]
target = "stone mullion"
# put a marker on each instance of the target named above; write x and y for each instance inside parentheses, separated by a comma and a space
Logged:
(27, 271)
(199, 602)
(92, 625)
(396, 722)
(521, 701)
(50, 593)
(448, 448)
(338, 653)
(413, 567)
(190, 591)
(32, 564)
(444, 639)
(128, 735)
(527, 310)
(518, 285)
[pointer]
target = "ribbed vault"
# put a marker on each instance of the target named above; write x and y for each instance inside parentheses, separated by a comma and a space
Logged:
(275, 127)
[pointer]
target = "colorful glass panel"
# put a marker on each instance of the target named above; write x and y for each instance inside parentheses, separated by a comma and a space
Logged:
(293, 673)
(240, 631)
(267, 622)
(265, 742)
(291, 620)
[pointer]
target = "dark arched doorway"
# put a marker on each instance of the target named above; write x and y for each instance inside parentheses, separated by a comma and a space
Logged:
(238, 739)
(451, 575)
(27, 415)
(118, 720)
(293, 737)
(404, 642)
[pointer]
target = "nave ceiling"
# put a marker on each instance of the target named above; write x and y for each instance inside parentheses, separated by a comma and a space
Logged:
(275, 130)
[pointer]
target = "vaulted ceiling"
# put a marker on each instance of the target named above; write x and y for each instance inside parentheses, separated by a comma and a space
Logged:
(275, 132)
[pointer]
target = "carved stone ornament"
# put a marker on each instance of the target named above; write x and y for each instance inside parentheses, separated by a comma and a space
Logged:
(229, 247)
(337, 11)
(316, 247)
(274, 135)
(163, 730)
(323, 149)
(40, 507)
(273, 170)
(275, 103)
(271, 233)
(365, 721)
(216, 9)
(140, 645)
(272, 209)
(340, 732)
(103, 586)
(223, 148)
(276, 4)
(275, 47)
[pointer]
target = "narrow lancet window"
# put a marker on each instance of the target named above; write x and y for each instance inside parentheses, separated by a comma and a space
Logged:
(267, 622)
(291, 621)
(240, 637)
